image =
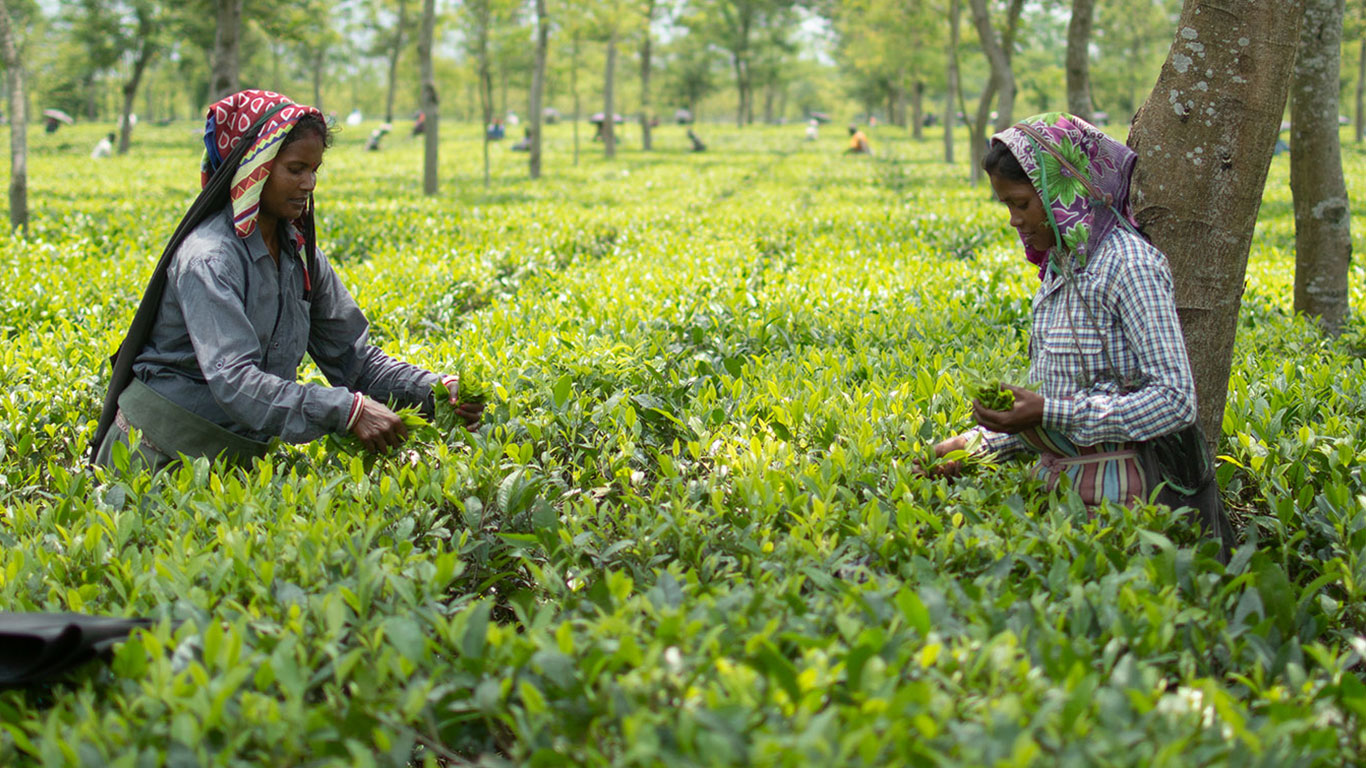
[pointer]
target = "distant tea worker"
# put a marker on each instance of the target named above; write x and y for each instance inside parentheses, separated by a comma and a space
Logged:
(103, 148)
(210, 365)
(858, 142)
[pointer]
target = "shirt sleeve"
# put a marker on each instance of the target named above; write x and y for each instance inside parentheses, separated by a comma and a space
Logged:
(211, 287)
(1165, 402)
(999, 444)
(339, 342)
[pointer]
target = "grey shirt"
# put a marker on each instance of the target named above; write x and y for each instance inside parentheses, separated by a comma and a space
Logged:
(232, 330)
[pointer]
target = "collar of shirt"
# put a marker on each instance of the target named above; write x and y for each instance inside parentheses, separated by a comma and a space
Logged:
(256, 245)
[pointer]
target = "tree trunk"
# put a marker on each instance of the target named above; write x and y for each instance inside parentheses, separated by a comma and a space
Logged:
(1203, 155)
(485, 76)
(430, 116)
(394, 52)
(918, 110)
(1323, 232)
(1078, 58)
(92, 92)
(999, 54)
(319, 56)
(609, 123)
(645, 64)
(1361, 90)
(18, 111)
(951, 81)
(277, 54)
(503, 91)
(978, 141)
(130, 91)
(574, 89)
(225, 43)
(538, 88)
(149, 100)
(739, 65)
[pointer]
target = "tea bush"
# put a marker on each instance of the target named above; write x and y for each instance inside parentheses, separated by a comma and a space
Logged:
(691, 531)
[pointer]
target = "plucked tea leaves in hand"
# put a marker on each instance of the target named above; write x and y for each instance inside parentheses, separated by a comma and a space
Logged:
(993, 396)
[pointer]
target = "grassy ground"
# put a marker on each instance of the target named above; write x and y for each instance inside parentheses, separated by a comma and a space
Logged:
(689, 533)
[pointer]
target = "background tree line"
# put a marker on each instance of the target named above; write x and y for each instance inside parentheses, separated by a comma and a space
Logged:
(740, 60)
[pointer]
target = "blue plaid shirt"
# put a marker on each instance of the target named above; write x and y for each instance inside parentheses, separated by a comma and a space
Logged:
(1127, 288)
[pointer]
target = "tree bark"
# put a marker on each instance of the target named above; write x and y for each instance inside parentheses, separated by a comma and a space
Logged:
(1001, 82)
(1078, 58)
(951, 81)
(394, 53)
(1203, 154)
(741, 82)
(225, 44)
(609, 133)
(18, 111)
(998, 54)
(646, 140)
(538, 88)
(485, 77)
(319, 56)
(430, 101)
(574, 89)
(1323, 232)
(503, 90)
(1361, 90)
(92, 92)
(146, 49)
(918, 110)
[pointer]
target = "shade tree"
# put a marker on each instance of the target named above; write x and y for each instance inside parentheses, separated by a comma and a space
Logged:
(13, 13)
(1323, 220)
(1203, 155)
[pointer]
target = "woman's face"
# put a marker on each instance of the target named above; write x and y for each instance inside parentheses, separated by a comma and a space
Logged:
(1027, 215)
(292, 178)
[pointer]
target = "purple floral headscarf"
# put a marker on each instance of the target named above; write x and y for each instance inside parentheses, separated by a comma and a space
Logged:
(1081, 175)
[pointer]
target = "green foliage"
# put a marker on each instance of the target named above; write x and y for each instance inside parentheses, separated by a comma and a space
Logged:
(992, 396)
(692, 530)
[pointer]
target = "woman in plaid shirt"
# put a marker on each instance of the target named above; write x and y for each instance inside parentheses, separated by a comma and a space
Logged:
(1105, 344)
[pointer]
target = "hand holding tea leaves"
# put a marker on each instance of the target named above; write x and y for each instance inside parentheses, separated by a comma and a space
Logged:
(469, 411)
(1006, 408)
(377, 428)
(952, 456)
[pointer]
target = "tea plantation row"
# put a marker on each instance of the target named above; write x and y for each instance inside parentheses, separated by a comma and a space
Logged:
(689, 533)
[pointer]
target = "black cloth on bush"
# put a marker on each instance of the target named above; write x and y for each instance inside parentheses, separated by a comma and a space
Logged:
(40, 647)
(1182, 462)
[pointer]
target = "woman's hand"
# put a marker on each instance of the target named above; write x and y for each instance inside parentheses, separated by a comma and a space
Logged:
(469, 412)
(378, 428)
(945, 468)
(1027, 413)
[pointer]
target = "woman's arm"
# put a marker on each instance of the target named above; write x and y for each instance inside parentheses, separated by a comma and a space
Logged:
(339, 342)
(1165, 402)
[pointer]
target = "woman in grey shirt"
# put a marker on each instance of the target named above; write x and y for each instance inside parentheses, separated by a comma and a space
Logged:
(245, 295)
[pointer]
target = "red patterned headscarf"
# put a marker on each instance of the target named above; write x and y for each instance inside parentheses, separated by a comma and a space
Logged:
(230, 118)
